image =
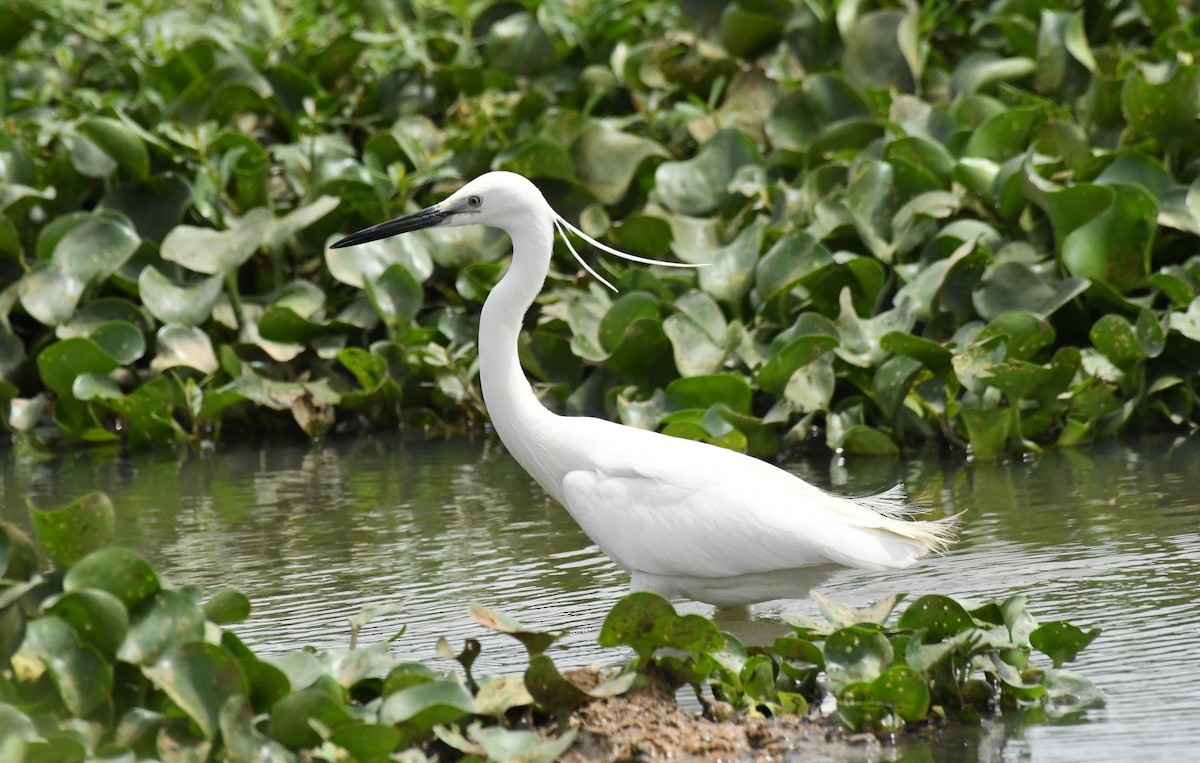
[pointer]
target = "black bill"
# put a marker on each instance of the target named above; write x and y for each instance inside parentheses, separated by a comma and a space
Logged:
(426, 218)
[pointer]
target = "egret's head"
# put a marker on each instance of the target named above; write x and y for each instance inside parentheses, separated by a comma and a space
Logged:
(495, 199)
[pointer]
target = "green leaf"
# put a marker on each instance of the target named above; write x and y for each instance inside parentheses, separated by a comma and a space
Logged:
(799, 352)
(83, 677)
(903, 691)
(940, 616)
(97, 616)
(535, 642)
(292, 717)
(164, 620)
(1061, 641)
(227, 606)
(1163, 103)
(699, 185)
(119, 142)
(176, 345)
(49, 292)
(607, 159)
(517, 44)
(988, 430)
(119, 571)
(188, 305)
(199, 678)
(855, 653)
(71, 532)
(646, 622)
(62, 361)
(417, 709)
(705, 391)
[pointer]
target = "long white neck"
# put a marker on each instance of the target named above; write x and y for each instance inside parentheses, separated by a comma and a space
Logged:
(519, 418)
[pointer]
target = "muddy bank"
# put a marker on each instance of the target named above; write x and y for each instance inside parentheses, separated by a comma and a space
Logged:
(648, 724)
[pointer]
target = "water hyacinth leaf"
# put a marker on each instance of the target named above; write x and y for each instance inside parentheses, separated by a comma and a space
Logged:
(18, 557)
(940, 616)
(188, 305)
(801, 351)
(607, 159)
(1015, 286)
(123, 341)
(841, 616)
(536, 158)
(893, 380)
(645, 622)
(1163, 107)
(1004, 135)
(119, 142)
(97, 616)
(730, 268)
(50, 292)
(855, 653)
(367, 741)
(863, 440)
(1018, 620)
(1114, 336)
(292, 717)
(535, 642)
(824, 98)
(873, 55)
(164, 620)
(1024, 333)
(359, 265)
(1016, 379)
(227, 606)
(698, 186)
(518, 44)
(244, 742)
(558, 695)
(96, 248)
(417, 709)
(121, 572)
(988, 430)
(932, 355)
(83, 677)
(71, 532)
(702, 392)
(695, 351)
(1115, 246)
(177, 345)
(980, 71)
(499, 694)
(903, 691)
(1061, 641)
(214, 252)
(199, 678)
(60, 363)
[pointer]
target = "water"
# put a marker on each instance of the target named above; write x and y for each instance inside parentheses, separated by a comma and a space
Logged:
(1106, 537)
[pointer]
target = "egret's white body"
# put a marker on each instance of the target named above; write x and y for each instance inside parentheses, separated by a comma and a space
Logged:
(684, 518)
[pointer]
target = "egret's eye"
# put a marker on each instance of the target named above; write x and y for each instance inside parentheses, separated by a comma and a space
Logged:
(474, 201)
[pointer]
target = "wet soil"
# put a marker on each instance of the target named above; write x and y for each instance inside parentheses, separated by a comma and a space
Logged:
(648, 724)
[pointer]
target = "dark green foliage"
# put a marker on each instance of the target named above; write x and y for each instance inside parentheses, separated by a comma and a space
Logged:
(884, 197)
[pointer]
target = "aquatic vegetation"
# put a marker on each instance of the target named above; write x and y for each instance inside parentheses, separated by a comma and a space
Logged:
(972, 222)
(102, 658)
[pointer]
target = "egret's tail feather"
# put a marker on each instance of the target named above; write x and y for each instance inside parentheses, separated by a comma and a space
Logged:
(895, 513)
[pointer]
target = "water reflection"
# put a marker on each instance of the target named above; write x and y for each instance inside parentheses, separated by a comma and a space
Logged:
(1104, 537)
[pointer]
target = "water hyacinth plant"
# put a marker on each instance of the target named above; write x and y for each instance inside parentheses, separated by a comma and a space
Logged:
(967, 222)
(102, 658)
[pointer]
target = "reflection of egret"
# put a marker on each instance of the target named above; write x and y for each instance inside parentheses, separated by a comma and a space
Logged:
(684, 518)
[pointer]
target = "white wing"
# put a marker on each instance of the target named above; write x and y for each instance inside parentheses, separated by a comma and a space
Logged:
(670, 507)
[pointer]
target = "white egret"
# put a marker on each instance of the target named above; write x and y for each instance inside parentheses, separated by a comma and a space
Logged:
(684, 518)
